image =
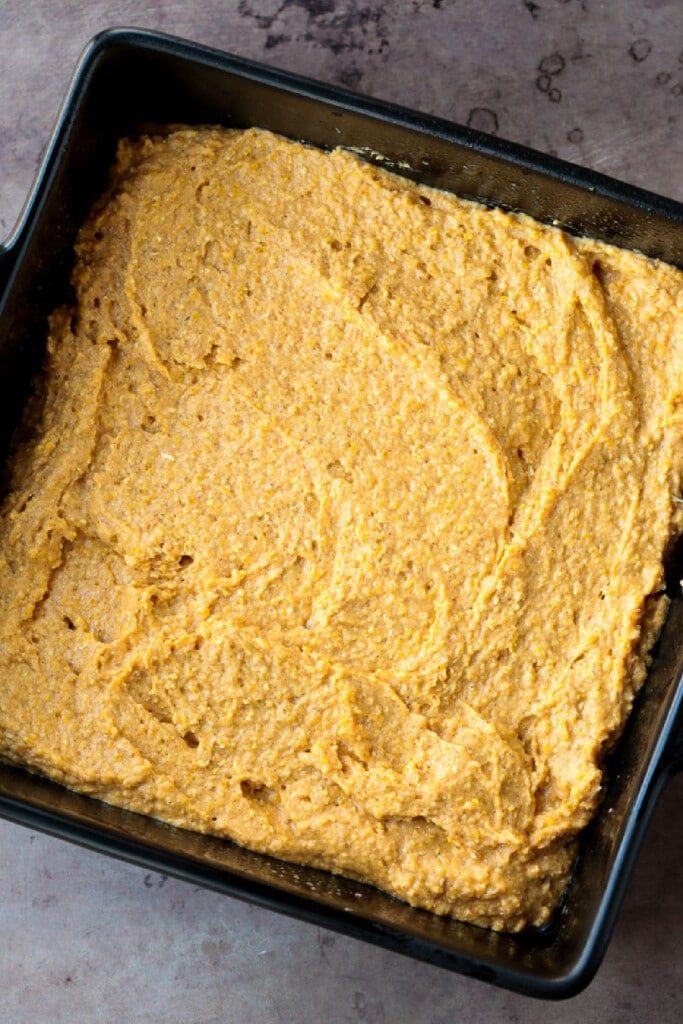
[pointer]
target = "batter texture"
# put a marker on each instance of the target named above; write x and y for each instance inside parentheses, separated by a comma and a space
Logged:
(338, 524)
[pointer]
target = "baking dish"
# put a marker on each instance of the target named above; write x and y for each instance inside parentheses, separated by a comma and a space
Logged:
(127, 78)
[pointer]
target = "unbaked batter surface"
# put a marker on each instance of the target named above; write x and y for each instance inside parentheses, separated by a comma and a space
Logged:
(339, 526)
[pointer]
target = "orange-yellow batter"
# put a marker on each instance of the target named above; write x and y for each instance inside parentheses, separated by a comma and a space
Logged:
(339, 529)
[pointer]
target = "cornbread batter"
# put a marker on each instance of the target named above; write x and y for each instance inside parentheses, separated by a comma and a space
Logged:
(339, 526)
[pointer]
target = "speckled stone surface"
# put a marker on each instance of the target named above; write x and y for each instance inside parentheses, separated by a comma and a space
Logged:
(85, 938)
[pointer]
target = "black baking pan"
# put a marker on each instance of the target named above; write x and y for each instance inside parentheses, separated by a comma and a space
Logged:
(127, 78)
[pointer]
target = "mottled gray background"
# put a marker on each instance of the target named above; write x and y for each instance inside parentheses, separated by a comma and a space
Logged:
(83, 938)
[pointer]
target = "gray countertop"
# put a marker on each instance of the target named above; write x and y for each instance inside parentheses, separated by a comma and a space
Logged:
(85, 938)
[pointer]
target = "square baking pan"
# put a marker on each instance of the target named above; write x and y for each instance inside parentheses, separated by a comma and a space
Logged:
(127, 78)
